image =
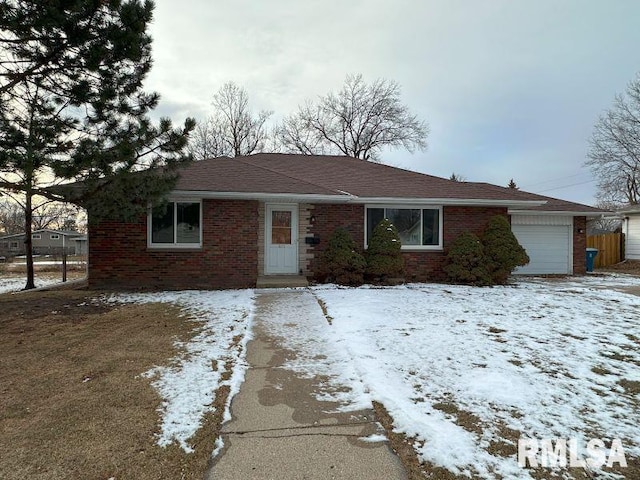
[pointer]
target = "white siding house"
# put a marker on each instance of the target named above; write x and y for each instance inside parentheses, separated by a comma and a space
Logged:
(631, 230)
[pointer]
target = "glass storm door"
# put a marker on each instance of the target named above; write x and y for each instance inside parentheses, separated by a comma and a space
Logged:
(281, 252)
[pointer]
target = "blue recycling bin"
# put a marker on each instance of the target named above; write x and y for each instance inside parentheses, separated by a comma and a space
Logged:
(591, 258)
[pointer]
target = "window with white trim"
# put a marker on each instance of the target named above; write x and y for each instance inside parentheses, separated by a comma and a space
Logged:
(13, 245)
(36, 236)
(418, 227)
(54, 236)
(176, 224)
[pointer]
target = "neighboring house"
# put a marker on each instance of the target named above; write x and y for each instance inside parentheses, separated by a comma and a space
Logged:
(631, 230)
(81, 245)
(44, 242)
(232, 221)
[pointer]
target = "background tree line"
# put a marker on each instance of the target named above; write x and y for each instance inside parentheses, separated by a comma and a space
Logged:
(359, 120)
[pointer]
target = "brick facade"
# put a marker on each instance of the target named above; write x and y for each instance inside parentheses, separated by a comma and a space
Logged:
(325, 218)
(231, 255)
(579, 245)
(119, 256)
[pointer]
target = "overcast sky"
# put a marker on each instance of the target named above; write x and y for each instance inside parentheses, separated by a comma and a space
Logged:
(510, 89)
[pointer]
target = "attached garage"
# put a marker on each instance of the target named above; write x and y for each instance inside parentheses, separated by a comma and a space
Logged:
(548, 240)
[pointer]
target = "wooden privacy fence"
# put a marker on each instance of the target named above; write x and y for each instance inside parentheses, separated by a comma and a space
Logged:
(609, 248)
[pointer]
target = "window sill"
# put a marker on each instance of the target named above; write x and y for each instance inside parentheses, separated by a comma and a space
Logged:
(411, 248)
(422, 249)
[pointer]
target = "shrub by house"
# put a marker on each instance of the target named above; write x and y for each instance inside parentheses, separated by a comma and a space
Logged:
(466, 262)
(383, 256)
(341, 262)
(502, 251)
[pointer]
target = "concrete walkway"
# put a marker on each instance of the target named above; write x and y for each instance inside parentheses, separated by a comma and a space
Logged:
(281, 431)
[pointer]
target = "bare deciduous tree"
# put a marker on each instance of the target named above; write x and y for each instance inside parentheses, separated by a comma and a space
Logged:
(11, 218)
(614, 154)
(233, 129)
(206, 141)
(45, 214)
(55, 216)
(359, 120)
(456, 177)
(605, 223)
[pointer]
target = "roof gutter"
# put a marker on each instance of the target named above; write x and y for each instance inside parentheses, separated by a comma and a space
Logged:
(471, 202)
(349, 198)
(303, 197)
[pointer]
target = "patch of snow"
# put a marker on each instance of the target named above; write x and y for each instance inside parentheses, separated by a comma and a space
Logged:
(217, 447)
(15, 284)
(188, 385)
(375, 438)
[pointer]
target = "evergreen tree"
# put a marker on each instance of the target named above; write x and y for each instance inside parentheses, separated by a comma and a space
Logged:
(383, 255)
(466, 262)
(512, 185)
(502, 251)
(72, 108)
(341, 262)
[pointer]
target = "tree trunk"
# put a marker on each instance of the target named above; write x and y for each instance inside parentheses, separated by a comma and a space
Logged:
(28, 242)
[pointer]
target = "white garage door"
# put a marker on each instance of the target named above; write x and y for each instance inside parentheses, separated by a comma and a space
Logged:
(548, 247)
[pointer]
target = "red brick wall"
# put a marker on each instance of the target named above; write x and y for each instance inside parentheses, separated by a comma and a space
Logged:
(119, 257)
(579, 245)
(328, 217)
(420, 265)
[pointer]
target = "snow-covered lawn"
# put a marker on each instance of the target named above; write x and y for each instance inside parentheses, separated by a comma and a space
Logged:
(16, 283)
(189, 384)
(467, 371)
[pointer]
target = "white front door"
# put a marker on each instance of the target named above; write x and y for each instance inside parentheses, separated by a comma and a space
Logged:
(281, 239)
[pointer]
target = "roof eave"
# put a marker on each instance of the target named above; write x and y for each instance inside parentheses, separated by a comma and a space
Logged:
(628, 211)
(345, 198)
(564, 213)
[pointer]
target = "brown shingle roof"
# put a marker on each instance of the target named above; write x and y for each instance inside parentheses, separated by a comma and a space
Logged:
(552, 205)
(339, 176)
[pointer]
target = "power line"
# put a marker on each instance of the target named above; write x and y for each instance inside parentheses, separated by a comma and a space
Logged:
(566, 186)
(554, 179)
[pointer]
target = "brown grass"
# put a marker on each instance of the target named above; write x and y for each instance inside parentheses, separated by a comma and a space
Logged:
(631, 267)
(72, 402)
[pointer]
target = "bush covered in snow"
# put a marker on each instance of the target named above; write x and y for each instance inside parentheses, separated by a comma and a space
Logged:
(466, 261)
(341, 262)
(384, 259)
(488, 260)
(502, 251)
